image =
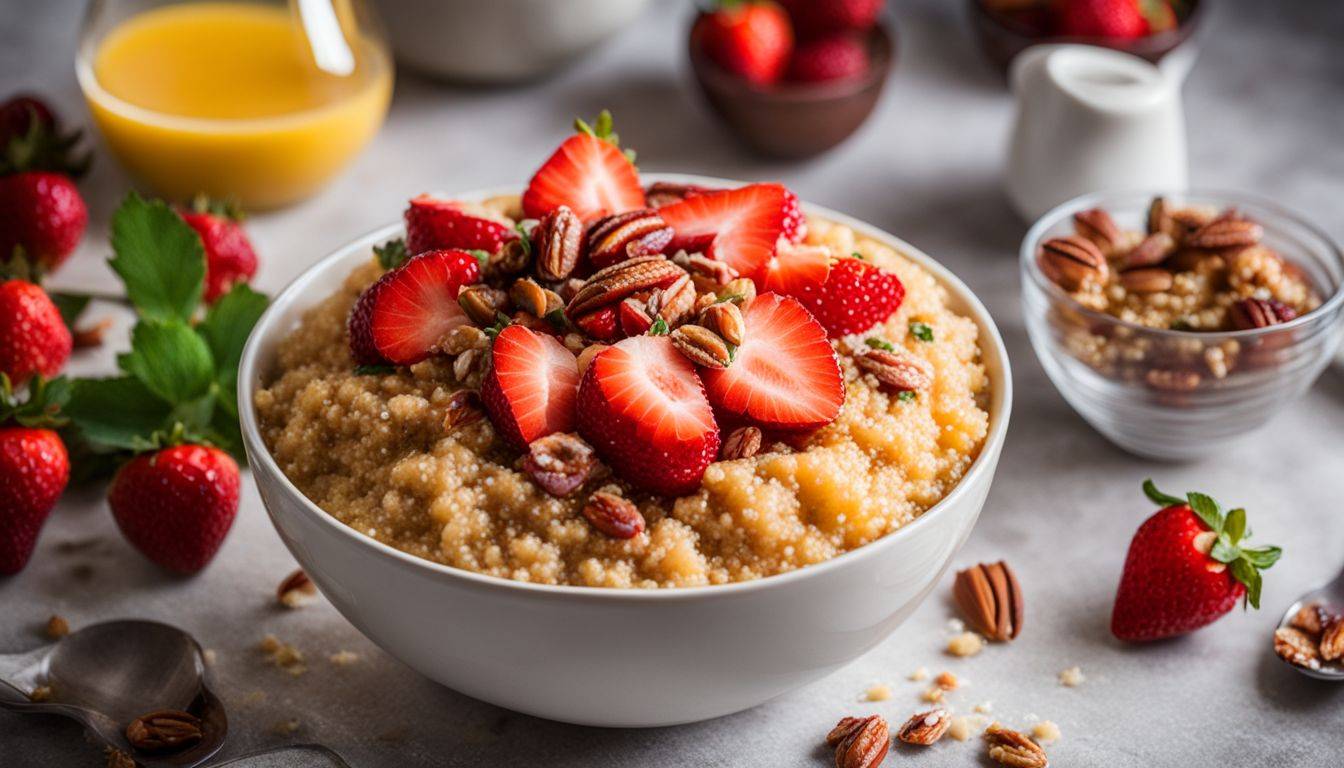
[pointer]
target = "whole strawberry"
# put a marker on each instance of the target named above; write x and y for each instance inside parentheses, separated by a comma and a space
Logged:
(34, 468)
(1186, 568)
(43, 212)
(833, 57)
(856, 296)
(20, 114)
(177, 504)
(750, 39)
(229, 257)
(813, 18)
(1121, 19)
(33, 337)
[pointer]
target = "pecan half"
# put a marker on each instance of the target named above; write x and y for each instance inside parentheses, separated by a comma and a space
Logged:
(1147, 280)
(673, 303)
(528, 296)
(1098, 226)
(1259, 313)
(482, 303)
(613, 515)
(626, 236)
(558, 242)
(739, 290)
(559, 463)
(1312, 618)
(925, 728)
(1225, 233)
(860, 742)
(165, 730)
(741, 443)
(1159, 220)
(1153, 250)
(1072, 262)
(296, 591)
(990, 598)
(1332, 639)
(701, 346)
(1296, 647)
(901, 372)
(464, 408)
(606, 287)
(725, 319)
(1008, 747)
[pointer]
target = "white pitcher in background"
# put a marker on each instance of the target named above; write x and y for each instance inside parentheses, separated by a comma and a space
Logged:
(1092, 119)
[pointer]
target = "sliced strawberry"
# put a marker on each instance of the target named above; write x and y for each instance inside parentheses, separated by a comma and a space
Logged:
(531, 386)
(634, 317)
(402, 318)
(643, 408)
(601, 324)
(795, 224)
(432, 224)
(795, 270)
(784, 376)
(589, 173)
(856, 296)
(736, 226)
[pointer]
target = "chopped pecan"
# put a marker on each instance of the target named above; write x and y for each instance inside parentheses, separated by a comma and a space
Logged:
(607, 287)
(296, 591)
(1097, 225)
(559, 463)
(1147, 280)
(512, 258)
(990, 598)
(1153, 250)
(925, 728)
(1072, 262)
(613, 515)
(1259, 313)
(708, 273)
(1311, 618)
(482, 303)
(1225, 233)
(1008, 747)
(741, 443)
(1332, 639)
(528, 295)
(464, 408)
(558, 242)
(467, 363)
(627, 235)
(673, 303)
(462, 338)
(57, 627)
(165, 730)
(899, 371)
(860, 742)
(739, 290)
(1296, 647)
(725, 319)
(702, 346)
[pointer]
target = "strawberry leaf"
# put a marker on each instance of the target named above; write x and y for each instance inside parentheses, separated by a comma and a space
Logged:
(225, 329)
(391, 254)
(1262, 557)
(159, 258)
(42, 407)
(170, 359)
(1208, 510)
(1224, 552)
(70, 305)
(1235, 525)
(116, 413)
(1158, 497)
(1247, 574)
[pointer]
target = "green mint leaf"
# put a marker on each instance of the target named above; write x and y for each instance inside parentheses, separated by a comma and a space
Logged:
(1262, 557)
(374, 370)
(1208, 511)
(170, 359)
(115, 413)
(907, 396)
(921, 331)
(158, 257)
(1235, 525)
(391, 254)
(659, 328)
(225, 329)
(877, 343)
(70, 305)
(1158, 497)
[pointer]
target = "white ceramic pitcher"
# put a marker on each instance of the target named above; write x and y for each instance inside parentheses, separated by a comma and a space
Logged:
(1092, 119)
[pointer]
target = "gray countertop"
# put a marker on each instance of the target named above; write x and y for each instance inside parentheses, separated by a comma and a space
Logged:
(1265, 104)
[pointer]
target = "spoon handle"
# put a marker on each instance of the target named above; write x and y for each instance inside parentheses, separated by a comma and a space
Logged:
(18, 673)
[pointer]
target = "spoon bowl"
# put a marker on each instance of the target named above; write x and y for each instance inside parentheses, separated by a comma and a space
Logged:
(1331, 594)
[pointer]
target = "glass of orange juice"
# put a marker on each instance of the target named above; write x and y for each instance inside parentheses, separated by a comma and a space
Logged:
(258, 101)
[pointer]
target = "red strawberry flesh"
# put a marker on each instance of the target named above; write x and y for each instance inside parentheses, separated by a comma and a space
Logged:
(434, 224)
(736, 226)
(856, 296)
(402, 318)
(531, 387)
(590, 175)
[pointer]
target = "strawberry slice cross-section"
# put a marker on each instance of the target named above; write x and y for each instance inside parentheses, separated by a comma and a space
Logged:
(588, 172)
(432, 223)
(785, 375)
(402, 318)
(736, 226)
(531, 387)
(643, 408)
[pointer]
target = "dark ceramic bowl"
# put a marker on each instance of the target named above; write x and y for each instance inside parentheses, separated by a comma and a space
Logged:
(1002, 38)
(795, 121)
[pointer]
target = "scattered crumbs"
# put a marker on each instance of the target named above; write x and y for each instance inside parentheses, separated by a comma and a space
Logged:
(286, 727)
(57, 627)
(956, 626)
(1045, 731)
(878, 692)
(1072, 677)
(118, 759)
(283, 655)
(984, 707)
(210, 656)
(965, 644)
(947, 681)
(919, 675)
(343, 658)
(961, 728)
(297, 590)
(40, 694)
(933, 694)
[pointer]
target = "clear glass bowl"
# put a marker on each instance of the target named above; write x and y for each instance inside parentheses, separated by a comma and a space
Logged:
(1172, 394)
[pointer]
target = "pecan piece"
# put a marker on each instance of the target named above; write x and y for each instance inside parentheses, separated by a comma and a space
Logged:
(513, 257)
(741, 443)
(296, 591)
(606, 287)
(558, 242)
(165, 730)
(1259, 313)
(612, 514)
(528, 296)
(1153, 250)
(702, 346)
(91, 335)
(462, 338)
(1098, 226)
(559, 463)
(707, 273)
(464, 408)
(1147, 280)
(1072, 262)
(739, 290)
(1008, 747)
(901, 372)
(990, 598)
(674, 303)
(1311, 618)
(626, 236)
(725, 319)
(925, 728)
(1225, 233)
(57, 627)
(1296, 647)
(482, 303)
(1332, 640)
(1159, 220)
(860, 742)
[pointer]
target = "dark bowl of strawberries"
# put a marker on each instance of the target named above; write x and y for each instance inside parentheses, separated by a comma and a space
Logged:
(1149, 29)
(795, 78)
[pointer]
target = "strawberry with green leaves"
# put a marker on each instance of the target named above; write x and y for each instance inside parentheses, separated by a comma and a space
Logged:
(1187, 566)
(34, 466)
(229, 257)
(41, 210)
(589, 173)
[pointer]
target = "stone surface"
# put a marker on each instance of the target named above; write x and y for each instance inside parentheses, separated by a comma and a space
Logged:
(1265, 103)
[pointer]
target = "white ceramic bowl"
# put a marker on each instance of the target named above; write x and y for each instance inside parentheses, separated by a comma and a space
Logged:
(613, 657)
(500, 41)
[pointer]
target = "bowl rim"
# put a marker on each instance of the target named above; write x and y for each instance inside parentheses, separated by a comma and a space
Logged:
(1160, 43)
(991, 346)
(1031, 240)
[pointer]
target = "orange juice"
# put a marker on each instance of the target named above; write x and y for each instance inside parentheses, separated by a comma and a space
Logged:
(226, 98)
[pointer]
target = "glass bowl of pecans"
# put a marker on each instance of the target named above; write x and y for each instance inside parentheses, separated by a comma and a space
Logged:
(1172, 322)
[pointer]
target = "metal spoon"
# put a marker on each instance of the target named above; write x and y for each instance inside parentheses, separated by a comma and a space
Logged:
(1331, 594)
(109, 674)
(305, 755)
